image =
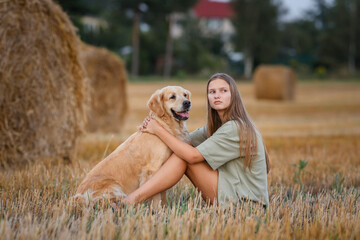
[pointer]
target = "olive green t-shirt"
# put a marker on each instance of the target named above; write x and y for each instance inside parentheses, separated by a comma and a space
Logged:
(222, 152)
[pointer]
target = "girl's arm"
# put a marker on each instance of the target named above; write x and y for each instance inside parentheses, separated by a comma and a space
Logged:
(183, 150)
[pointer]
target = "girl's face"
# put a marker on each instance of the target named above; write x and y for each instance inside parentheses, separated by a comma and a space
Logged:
(219, 94)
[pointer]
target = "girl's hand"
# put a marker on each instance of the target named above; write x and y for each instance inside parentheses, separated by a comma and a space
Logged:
(149, 125)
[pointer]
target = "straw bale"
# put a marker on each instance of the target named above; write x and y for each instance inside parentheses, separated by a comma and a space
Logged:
(41, 83)
(274, 82)
(107, 89)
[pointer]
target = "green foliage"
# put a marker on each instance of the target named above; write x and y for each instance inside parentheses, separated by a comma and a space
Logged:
(337, 23)
(298, 172)
(338, 183)
(195, 52)
(258, 223)
(329, 34)
(257, 30)
(320, 71)
(325, 38)
(80, 7)
(299, 45)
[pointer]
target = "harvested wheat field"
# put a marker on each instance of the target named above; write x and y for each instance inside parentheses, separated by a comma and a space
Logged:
(314, 183)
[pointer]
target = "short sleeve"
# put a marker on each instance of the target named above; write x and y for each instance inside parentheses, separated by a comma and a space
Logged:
(222, 146)
(198, 136)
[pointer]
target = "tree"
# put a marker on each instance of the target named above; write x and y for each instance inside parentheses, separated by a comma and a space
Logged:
(195, 52)
(115, 35)
(79, 7)
(299, 44)
(171, 8)
(339, 30)
(159, 15)
(256, 23)
(135, 8)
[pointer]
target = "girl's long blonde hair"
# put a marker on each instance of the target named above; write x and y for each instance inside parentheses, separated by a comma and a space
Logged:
(237, 112)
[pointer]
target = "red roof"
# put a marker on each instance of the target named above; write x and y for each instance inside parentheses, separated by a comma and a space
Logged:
(213, 9)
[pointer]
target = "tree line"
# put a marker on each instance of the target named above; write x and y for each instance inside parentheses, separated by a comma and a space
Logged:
(324, 41)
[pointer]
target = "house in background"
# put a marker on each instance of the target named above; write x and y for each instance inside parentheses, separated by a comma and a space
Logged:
(214, 19)
(215, 16)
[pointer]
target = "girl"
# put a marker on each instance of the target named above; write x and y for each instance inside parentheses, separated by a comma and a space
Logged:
(227, 159)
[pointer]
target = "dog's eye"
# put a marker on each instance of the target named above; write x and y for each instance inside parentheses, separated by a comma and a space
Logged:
(185, 95)
(172, 97)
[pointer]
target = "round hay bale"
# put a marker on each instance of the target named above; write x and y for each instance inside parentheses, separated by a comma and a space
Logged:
(41, 83)
(107, 89)
(274, 82)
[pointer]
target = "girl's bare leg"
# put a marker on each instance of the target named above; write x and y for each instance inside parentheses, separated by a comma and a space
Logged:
(205, 179)
(200, 174)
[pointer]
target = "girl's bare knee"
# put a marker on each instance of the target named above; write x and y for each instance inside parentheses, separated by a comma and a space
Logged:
(189, 168)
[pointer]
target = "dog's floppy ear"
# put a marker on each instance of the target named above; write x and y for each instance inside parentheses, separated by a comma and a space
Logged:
(155, 103)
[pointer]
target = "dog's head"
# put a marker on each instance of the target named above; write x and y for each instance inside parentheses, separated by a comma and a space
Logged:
(172, 100)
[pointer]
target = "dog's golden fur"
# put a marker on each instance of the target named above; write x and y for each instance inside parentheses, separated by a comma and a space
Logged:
(141, 155)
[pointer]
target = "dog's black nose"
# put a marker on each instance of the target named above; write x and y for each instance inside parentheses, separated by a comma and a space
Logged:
(186, 104)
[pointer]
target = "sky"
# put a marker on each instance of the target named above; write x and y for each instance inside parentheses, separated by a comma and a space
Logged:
(296, 8)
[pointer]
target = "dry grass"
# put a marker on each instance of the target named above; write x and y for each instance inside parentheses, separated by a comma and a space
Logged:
(321, 127)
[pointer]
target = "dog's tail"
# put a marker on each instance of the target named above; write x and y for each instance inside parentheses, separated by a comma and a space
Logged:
(98, 188)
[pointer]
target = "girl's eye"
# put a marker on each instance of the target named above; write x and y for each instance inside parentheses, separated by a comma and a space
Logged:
(224, 90)
(172, 97)
(212, 91)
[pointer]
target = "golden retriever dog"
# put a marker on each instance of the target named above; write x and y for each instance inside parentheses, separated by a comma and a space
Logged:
(141, 155)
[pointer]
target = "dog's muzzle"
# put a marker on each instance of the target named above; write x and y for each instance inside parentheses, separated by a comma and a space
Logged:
(183, 115)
